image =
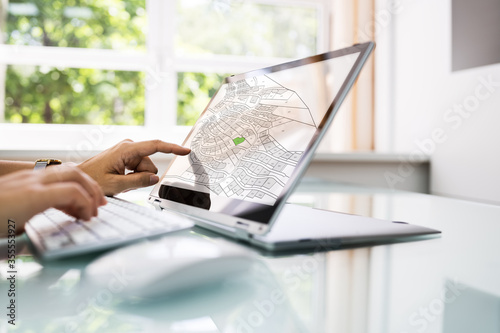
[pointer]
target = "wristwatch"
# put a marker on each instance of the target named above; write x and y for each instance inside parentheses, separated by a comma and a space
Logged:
(45, 162)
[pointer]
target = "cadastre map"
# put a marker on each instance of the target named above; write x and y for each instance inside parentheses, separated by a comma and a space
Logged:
(248, 142)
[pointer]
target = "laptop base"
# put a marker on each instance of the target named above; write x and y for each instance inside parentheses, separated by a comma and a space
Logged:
(301, 227)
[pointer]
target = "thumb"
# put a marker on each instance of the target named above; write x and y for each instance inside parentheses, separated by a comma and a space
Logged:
(136, 180)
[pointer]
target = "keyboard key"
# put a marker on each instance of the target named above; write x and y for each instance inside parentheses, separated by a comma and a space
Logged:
(56, 240)
(119, 223)
(60, 218)
(42, 224)
(100, 229)
(82, 236)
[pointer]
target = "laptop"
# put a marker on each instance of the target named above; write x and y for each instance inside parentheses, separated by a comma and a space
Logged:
(252, 144)
(249, 149)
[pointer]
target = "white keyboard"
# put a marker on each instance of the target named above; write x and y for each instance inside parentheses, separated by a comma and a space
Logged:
(56, 234)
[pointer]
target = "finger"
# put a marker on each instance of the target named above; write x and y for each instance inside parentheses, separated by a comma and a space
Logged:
(146, 165)
(71, 174)
(77, 175)
(70, 197)
(146, 148)
(134, 180)
(97, 193)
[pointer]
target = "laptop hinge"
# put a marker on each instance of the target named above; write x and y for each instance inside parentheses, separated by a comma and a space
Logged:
(156, 204)
(241, 230)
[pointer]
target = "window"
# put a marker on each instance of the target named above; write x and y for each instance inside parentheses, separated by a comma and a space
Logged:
(137, 68)
(50, 93)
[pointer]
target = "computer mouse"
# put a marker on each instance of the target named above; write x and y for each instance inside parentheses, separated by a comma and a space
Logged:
(168, 265)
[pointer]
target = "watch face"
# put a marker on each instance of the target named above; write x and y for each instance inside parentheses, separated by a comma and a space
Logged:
(54, 162)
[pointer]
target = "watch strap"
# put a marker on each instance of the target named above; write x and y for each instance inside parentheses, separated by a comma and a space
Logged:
(42, 163)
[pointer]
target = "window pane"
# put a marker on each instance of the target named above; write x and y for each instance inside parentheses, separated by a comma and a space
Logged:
(245, 28)
(194, 91)
(111, 24)
(41, 94)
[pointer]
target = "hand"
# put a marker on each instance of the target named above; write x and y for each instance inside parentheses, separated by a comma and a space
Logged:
(108, 168)
(26, 193)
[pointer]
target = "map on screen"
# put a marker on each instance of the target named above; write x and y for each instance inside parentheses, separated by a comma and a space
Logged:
(248, 142)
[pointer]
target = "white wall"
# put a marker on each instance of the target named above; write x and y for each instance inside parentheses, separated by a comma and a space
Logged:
(465, 149)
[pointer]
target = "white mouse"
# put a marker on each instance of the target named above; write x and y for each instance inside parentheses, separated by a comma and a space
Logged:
(167, 265)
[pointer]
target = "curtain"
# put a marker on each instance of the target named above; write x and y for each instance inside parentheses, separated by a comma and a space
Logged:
(352, 22)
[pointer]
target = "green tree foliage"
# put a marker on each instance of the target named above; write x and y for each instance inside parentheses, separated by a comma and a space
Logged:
(109, 24)
(40, 94)
(75, 95)
(240, 28)
(246, 28)
(194, 93)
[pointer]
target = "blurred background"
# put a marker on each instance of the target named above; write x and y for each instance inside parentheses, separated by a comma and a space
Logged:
(78, 76)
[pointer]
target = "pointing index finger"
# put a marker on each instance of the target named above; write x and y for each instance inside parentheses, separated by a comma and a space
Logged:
(146, 148)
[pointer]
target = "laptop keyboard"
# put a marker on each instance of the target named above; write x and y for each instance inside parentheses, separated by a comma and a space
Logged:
(56, 234)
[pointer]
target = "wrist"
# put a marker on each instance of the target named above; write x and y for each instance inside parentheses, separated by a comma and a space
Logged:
(7, 167)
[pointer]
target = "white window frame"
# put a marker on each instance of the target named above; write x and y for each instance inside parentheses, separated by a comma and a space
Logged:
(161, 67)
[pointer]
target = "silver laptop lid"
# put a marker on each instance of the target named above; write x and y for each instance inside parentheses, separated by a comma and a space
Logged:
(255, 139)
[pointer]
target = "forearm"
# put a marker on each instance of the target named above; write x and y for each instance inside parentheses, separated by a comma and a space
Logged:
(7, 167)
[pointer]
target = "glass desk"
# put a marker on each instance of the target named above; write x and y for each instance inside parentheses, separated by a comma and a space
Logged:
(447, 284)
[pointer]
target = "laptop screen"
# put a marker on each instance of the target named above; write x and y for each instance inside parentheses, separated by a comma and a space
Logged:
(251, 141)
